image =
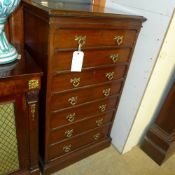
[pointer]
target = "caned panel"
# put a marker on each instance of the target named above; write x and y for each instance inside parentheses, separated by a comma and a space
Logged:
(9, 161)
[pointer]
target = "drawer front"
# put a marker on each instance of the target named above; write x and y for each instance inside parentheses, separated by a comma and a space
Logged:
(79, 127)
(93, 38)
(63, 60)
(65, 147)
(81, 95)
(81, 112)
(67, 81)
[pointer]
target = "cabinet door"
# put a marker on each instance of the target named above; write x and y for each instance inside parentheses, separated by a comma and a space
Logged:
(14, 134)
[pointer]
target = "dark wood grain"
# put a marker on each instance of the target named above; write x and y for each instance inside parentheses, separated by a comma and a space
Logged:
(14, 87)
(63, 60)
(59, 122)
(87, 77)
(102, 38)
(61, 134)
(75, 156)
(159, 140)
(87, 94)
(57, 150)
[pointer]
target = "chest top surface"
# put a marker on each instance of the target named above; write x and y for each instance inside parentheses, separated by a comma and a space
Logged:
(80, 8)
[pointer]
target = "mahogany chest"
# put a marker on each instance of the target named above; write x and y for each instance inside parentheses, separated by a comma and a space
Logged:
(77, 109)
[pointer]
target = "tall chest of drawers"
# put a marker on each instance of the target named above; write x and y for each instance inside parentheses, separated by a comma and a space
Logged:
(77, 109)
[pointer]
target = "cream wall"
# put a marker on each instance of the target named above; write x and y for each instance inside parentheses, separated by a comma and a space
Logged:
(158, 13)
(161, 80)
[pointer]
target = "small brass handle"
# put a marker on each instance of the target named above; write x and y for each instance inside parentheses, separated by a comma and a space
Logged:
(97, 136)
(81, 41)
(106, 92)
(102, 108)
(73, 100)
(99, 122)
(114, 57)
(69, 133)
(75, 81)
(110, 75)
(119, 39)
(67, 148)
(71, 117)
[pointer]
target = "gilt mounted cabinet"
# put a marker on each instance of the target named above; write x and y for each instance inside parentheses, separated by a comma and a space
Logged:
(19, 88)
(77, 109)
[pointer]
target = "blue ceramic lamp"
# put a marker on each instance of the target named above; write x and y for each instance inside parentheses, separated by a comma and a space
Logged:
(7, 52)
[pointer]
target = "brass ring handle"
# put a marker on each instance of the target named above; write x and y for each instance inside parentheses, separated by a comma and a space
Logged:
(119, 39)
(110, 75)
(71, 117)
(99, 122)
(73, 100)
(106, 92)
(102, 108)
(114, 57)
(81, 41)
(69, 133)
(75, 81)
(67, 148)
(97, 136)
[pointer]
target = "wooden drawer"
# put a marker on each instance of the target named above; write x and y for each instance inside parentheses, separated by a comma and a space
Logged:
(63, 60)
(56, 122)
(61, 117)
(66, 38)
(67, 81)
(56, 150)
(81, 95)
(74, 129)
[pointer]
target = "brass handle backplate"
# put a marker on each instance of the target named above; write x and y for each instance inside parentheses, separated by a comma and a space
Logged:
(114, 57)
(99, 122)
(106, 92)
(73, 100)
(102, 108)
(81, 41)
(75, 81)
(67, 148)
(110, 75)
(71, 117)
(97, 136)
(69, 133)
(119, 39)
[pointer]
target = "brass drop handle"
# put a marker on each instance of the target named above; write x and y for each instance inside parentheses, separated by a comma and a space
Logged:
(102, 108)
(69, 133)
(106, 92)
(110, 75)
(118, 39)
(114, 57)
(71, 117)
(99, 122)
(75, 81)
(81, 41)
(73, 100)
(97, 136)
(67, 148)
